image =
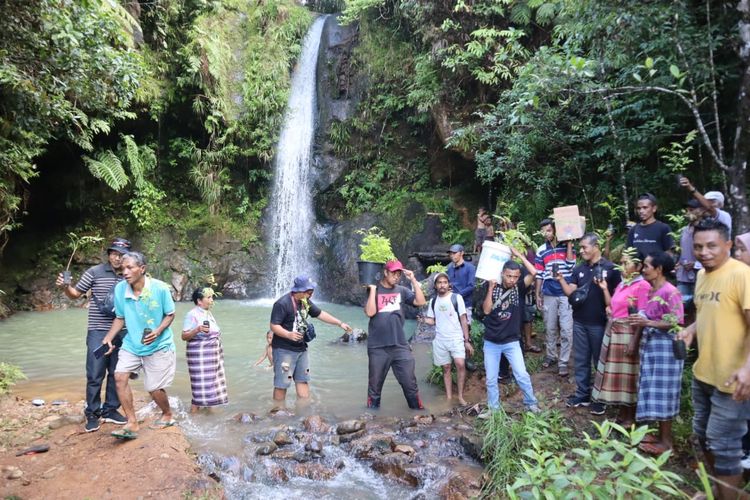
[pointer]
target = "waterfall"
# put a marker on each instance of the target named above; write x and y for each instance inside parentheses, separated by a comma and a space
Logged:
(292, 216)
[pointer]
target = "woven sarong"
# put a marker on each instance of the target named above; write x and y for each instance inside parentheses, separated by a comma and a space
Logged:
(208, 383)
(616, 380)
(661, 378)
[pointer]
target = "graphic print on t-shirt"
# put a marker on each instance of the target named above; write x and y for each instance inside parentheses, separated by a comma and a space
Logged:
(389, 302)
(509, 300)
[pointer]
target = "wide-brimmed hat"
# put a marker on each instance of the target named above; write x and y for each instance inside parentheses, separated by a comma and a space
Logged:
(119, 245)
(394, 265)
(303, 283)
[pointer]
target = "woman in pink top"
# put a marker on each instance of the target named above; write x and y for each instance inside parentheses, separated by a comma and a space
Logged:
(616, 381)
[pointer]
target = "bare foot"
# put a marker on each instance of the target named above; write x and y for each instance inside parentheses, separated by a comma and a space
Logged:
(462, 401)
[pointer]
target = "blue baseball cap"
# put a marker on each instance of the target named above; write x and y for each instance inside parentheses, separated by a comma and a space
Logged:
(303, 283)
(456, 248)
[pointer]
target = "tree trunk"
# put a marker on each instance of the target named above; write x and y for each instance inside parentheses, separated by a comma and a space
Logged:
(737, 170)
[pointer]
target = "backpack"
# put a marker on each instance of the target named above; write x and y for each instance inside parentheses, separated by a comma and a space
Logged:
(106, 306)
(477, 300)
(454, 301)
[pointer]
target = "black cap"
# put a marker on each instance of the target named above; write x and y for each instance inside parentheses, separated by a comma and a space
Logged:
(119, 245)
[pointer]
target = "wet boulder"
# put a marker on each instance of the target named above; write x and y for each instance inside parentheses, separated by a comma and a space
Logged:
(266, 448)
(463, 483)
(282, 438)
(350, 426)
(348, 438)
(397, 467)
(472, 445)
(315, 471)
(405, 449)
(277, 473)
(314, 446)
(230, 465)
(372, 446)
(315, 423)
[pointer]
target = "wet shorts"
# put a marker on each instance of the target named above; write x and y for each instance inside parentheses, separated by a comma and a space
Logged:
(158, 368)
(445, 350)
(529, 313)
(289, 366)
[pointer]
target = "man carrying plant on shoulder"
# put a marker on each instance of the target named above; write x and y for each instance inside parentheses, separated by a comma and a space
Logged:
(100, 280)
(387, 347)
(504, 308)
(145, 306)
(449, 315)
(290, 326)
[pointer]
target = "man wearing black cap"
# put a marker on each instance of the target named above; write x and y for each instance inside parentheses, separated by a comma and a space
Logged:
(289, 323)
(462, 276)
(100, 279)
(687, 267)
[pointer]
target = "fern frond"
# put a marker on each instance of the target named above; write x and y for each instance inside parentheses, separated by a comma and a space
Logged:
(546, 13)
(108, 168)
(520, 14)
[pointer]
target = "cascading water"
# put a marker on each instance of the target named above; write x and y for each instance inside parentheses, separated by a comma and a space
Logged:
(292, 216)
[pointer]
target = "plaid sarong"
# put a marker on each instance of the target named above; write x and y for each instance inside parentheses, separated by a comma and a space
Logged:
(208, 383)
(616, 380)
(661, 378)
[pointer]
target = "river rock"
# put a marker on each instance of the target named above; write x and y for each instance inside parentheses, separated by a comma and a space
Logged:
(266, 448)
(347, 438)
(424, 419)
(316, 424)
(231, 465)
(472, 445)
(11, 472)
(372, 446)
(315, 471)
(246, 418)
(281, 438)
(462, 484)
(314, 446)
(64, 420)
(395, 466)
(405, 449)
(277, 473)
(350, 426)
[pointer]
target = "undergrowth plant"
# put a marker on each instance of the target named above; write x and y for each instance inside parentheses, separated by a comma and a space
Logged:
(607, 466)
(9, 375)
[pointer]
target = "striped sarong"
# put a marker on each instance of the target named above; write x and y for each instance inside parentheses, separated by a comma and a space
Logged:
(205, 360)
(616, 380)
(661, 378)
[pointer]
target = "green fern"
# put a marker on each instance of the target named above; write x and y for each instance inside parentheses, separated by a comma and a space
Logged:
(108, 168)
(520, 14)
(546, 13)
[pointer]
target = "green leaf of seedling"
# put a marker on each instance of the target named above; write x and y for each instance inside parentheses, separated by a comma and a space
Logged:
(675, 71)
(651, 72)
(637, 77)
(649, 63)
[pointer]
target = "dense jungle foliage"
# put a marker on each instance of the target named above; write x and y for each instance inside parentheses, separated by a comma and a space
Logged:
(165, 114)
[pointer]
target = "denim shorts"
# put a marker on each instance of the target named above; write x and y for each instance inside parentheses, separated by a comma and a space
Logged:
(289, 366)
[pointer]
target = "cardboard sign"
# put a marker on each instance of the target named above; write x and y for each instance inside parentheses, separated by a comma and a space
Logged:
(569, 225)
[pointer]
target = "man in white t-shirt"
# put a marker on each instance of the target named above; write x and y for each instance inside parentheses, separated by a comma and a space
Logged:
(448, 313)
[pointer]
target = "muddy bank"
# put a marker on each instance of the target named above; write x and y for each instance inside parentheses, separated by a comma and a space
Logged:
(158, 464)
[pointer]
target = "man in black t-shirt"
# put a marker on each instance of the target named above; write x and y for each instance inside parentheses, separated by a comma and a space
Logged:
(649, 235)
(504, 308)
(589, 317)
(99, 280)
(289, 322)
(387, 347)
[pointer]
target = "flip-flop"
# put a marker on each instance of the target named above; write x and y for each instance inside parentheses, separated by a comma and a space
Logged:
(654, 449)
(161, 424)
(650, 438)
(534, 348)
(124, 434)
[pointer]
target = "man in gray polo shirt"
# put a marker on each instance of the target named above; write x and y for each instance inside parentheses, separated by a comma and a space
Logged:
(100, 279)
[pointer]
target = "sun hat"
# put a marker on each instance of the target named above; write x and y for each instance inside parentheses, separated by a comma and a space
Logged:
(119, 245)
(303, 283)
(394, 265)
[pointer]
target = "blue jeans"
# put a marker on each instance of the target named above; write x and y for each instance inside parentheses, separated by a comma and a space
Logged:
(587, 342)
(512, 351)
(96, 370)
(720, 422)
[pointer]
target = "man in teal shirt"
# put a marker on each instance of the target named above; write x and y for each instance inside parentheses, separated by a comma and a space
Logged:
(145, 306)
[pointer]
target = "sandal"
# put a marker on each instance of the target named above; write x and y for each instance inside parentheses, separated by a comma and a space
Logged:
(124, 434)
(649, 439)
(161, 424)
(534, 348)
(547, 363)
(654, 449)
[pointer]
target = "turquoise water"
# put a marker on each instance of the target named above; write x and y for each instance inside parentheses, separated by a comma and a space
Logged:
(50, 349)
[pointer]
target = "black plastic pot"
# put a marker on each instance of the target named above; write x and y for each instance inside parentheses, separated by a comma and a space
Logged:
(369, 272)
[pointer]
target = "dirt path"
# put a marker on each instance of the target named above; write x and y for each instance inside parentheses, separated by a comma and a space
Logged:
(158, 464)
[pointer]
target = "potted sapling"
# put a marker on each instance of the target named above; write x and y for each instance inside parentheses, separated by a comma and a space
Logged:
(77, 243)
(376, 251)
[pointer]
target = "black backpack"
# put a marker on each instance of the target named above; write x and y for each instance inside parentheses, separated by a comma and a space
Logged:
(477, 300)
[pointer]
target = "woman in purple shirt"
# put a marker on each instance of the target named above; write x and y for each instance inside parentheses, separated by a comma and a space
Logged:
(661, 373)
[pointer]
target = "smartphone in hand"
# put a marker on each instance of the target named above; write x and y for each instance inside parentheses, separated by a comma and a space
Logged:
(100, 351)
